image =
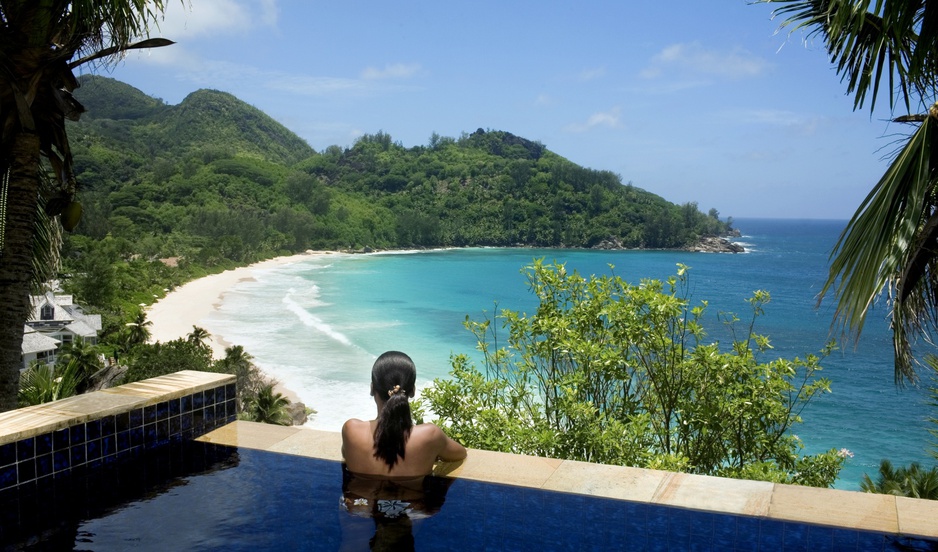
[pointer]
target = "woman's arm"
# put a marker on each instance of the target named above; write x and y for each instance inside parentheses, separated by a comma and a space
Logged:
(450, 450)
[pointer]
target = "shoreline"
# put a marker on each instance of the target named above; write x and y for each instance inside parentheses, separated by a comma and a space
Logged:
(173, 316)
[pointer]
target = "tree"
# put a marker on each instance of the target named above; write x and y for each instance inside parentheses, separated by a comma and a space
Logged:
(41, 42)
(912, 481)
(137, 332)
(890, 242)
(86, 362)
(609, 372)
(198, 336)
(268, 407)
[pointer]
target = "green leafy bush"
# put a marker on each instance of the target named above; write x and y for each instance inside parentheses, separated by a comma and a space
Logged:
(609, 372)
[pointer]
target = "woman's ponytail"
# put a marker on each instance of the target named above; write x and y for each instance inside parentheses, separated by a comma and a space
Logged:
(394, 374)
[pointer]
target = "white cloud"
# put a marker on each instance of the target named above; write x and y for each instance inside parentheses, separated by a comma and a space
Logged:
(804, 124)
(592, 73)
(391, 71)
(608, 119)
(230, 76)
(692, 57)
(543, 100)
(213, 17)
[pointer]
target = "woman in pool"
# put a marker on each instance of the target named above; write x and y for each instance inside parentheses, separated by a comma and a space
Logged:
(392, 445)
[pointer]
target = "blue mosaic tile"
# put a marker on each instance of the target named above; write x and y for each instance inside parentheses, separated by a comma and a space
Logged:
(7, 476)
(149, 434)
(108, 445)
(61, 460)
(93, 430)
(175, 425)
(93, 448)
(26, 470)
(123, 440)
(122, 422)
(136, 417)
(60, 439)
(747, 533)
(162, 411)
(231, 392)
(679, 522)
(78, 454)
(820, 539)
(656, 522)
(198, 401)
(25, 449)
(7, 454)
(43, 444)
(231, 409)
(208, 417)
(771, 534)
(845, 539)
(108, 426)
(795, 538)
(174, 408)
(185, 421)
(162, 430)
(872, 542)
(44, 465)
(136, 436)
(76, 434)
(149, 414)
(220, 394)
(185, 404)
(700, 546)
(208, 397)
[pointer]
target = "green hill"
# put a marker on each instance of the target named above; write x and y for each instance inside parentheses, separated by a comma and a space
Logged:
(214, 180)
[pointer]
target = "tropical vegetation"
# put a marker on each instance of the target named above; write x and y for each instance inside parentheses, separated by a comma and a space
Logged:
(41, 43)
(889, 245)
(610, 372)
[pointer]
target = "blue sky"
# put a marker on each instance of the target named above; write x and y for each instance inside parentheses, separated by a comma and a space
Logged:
(692, 100)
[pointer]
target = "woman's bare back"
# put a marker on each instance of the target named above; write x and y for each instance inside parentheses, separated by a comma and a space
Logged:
(427, 443)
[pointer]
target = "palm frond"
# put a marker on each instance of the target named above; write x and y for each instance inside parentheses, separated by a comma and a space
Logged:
(868, 41)
(876, 248)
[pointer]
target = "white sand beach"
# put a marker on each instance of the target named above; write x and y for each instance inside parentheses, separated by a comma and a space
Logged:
(174, 316)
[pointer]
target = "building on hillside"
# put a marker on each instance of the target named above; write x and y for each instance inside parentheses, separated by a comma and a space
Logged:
(38, 346)
(57, 317)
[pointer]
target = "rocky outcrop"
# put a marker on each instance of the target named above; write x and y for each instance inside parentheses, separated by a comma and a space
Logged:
(610, 243)
(298, 413)
(714, 244)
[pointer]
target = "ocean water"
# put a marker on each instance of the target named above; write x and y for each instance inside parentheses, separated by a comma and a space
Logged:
(318, 325)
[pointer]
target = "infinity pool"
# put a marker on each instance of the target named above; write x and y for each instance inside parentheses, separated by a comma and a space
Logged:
(201, 496)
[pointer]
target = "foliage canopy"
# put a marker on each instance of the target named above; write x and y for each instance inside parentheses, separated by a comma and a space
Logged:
(609, 372)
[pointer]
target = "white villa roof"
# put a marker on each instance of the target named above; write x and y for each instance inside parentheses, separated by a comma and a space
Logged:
(59, 313)
(35, 342)
(80, 328)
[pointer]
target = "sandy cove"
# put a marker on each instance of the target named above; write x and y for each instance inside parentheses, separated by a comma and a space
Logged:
(174, 316)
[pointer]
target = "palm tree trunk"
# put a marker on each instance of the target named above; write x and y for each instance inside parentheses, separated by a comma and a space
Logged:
(16, 259)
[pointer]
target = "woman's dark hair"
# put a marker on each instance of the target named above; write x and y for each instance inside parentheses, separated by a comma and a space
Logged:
(393, 376)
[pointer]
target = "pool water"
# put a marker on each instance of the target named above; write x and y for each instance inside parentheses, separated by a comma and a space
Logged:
(199, 496)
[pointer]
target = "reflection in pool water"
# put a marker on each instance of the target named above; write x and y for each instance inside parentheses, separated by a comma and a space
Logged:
(394, 505)
(198, 496)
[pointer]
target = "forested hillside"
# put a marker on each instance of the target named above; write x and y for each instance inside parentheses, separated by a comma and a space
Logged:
(215, 181)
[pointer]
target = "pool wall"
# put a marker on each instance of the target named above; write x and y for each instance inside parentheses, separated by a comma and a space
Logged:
(40, 442)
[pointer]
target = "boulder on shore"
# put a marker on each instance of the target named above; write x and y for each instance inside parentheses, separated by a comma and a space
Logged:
(714, 244)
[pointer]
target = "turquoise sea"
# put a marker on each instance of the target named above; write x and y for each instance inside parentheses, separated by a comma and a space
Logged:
(318, 325)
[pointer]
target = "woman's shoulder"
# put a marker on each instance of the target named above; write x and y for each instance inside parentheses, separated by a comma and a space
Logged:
(427, 432)
(355, 426)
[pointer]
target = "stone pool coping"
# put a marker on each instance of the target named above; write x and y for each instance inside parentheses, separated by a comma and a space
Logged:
(846, 509)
